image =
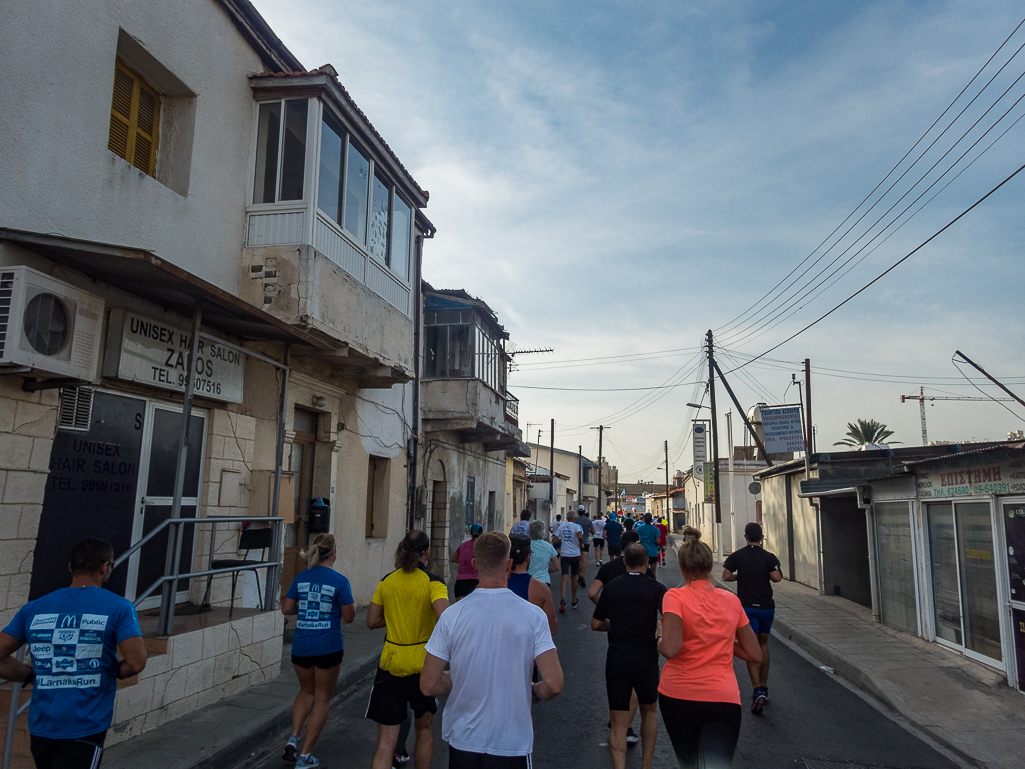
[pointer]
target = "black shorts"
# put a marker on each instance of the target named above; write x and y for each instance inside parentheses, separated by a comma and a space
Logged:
(570, 564)
(701, 729)
(629, 669)
(391, 694)
(599, 544)
(615, 550)
(465, 586)
(652, 560)
(464, 759)
(322, 661)
(585, 548)
(80, 753)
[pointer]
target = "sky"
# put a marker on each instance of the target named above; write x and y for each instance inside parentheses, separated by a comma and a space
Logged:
(617, 178)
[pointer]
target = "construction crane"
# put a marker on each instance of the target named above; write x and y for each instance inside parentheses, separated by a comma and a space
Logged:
(922, 398)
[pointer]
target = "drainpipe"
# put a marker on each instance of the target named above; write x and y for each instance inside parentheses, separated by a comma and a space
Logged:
(873, 564)
(413, 445)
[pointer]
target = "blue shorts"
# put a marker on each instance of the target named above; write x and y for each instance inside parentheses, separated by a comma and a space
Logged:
(760, 619)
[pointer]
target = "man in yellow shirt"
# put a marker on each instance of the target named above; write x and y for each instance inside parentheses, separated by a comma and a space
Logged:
(408, 602)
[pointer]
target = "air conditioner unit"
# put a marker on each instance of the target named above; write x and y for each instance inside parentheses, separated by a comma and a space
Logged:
(48, 325)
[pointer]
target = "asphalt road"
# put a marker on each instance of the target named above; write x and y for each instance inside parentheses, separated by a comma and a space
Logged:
(812, 720)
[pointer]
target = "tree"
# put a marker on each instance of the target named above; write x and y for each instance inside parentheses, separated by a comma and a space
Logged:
(866, 431)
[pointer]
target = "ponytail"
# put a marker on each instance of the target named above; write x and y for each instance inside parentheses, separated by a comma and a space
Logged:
(694, 555)
(412, 546)
(319, 551)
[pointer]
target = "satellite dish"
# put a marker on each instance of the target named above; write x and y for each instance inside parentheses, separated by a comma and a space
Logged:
(755, 487)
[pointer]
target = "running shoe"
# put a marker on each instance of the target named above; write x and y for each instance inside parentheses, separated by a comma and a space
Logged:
(307, 762)
(580, 581)
(562, 607)
(765, 691)
(757, 701)
(631, 737)
(399, 759)
(291, 749)
(576, 601)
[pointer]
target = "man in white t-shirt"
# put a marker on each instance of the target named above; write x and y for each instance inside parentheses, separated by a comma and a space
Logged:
(486, 720)
(570, 537)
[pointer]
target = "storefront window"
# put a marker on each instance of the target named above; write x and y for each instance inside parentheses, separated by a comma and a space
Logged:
(963, 576)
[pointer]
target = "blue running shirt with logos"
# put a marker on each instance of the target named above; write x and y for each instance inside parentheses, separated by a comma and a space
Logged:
(73, 634)
(320, 593)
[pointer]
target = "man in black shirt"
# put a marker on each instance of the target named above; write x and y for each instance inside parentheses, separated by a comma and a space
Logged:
(628, 610)
(614, 568)
(754, 569)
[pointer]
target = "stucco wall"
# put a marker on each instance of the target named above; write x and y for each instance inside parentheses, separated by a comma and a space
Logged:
(774, 520)
(56, 171)
(806, 555)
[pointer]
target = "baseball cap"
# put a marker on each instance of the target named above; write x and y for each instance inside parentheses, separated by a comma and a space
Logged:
(581, 509)
(519, 548)
(476, 529)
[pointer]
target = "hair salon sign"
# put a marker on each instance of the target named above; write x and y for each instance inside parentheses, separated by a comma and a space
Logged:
(156, 353)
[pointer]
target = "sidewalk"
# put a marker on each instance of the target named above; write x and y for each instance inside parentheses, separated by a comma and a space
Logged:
(220, 735)
(964, 705)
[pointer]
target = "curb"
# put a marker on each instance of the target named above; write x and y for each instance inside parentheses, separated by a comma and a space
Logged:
(868, 682)
(236, 751)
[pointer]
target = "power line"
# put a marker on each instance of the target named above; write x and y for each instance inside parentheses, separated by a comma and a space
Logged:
(889, 269)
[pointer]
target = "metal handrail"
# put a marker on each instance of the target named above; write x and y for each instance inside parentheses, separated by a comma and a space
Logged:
(17, 709)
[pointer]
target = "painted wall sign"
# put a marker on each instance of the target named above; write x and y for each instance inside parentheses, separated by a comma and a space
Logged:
(972, 476)
(708, 481)
(783, 429)
(152, 352)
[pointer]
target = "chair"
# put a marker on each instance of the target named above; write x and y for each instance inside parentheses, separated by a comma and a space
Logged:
(250, 539)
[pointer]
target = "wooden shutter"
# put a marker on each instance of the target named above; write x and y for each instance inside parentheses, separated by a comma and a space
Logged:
(134, 119)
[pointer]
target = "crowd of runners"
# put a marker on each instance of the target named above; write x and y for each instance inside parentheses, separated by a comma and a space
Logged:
(491, 652)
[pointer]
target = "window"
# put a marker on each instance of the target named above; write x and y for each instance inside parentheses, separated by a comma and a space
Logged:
(470, 492)
(134, 119)
(329, 189)
(401, 224)
(448, 344)
(354, 194)
(280, 151)
(379, 220)
(377, 497)
(357, 194)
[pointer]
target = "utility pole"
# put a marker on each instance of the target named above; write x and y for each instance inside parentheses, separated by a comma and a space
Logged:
(551, 469)
(668, 517)
(715, 446)
(807, 399)
(601, 429)
(972, 363)
(580, 471)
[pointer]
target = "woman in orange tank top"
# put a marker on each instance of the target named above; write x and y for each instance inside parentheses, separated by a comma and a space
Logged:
(703, 628)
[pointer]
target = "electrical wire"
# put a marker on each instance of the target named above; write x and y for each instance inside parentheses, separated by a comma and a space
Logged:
(731, 324)
(889, 269)
(1008, 410)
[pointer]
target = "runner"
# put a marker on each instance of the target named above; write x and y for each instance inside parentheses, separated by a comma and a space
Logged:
(649, 535)
(544, 560)
(702, 629)
(613, 532)
(754, 569)
(599, 539)
(487, 719)
(551, 531)
(323, 599)
(523, 583)
(408, 602)
(628, 611)
(466, 576)
(588, 529)
(663, 540)
(522, 526)
(569, 536)
(68, 630)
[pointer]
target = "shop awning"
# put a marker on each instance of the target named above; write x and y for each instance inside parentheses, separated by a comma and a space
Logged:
(146, 275)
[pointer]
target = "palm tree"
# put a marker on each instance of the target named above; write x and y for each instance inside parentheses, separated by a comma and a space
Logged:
(866, 431)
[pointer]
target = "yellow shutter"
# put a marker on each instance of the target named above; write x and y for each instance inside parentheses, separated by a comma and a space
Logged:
(134, 119)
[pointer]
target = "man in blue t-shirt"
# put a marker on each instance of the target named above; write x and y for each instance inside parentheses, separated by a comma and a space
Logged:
(614, 537)
(74, 635)
(650, 536)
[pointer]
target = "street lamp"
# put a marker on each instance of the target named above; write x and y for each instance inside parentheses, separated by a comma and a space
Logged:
(697, 406)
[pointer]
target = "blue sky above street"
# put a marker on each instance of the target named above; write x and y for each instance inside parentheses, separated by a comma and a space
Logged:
(617, 178)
